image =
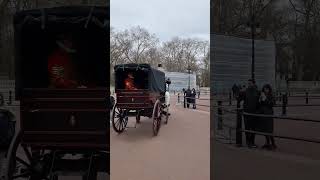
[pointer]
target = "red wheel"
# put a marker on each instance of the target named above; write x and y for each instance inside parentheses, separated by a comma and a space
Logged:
(156, 117)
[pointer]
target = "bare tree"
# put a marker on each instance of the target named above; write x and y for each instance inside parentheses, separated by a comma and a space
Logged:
(137, 45)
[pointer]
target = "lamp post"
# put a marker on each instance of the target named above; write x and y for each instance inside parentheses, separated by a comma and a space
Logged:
(189, 71)
(252, 25)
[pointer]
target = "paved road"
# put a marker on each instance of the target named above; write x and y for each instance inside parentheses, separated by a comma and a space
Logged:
(181, 151)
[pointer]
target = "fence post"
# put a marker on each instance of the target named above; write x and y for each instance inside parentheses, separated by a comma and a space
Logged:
(1, 99)
(10, 98)
(230, 98)
(284, 104)
(239, 126)
(307, 97)
(220, 127)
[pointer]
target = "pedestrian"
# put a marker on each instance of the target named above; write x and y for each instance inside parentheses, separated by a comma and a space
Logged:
(266, 103)
(188, 96)
(250, 105)
(184, 97)
(234, 90)
(193, 98)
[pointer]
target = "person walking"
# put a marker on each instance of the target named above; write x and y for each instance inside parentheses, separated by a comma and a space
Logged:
(234, 90)
(193, 98)
(265, 125)
(184, 97)
(250, 105)
(188, 96)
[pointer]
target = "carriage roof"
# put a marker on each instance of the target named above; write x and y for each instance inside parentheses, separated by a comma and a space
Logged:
(62, 13)
(156, 78)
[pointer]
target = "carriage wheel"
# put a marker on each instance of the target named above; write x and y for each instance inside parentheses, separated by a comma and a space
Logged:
(156, 117)
(166, 112)
(119, 119)
(24, 164)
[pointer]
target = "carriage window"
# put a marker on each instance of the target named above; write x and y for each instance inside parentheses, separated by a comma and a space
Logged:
(64, 57)
(131, 80)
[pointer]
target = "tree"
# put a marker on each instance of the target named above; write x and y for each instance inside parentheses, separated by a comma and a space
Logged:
(137, 45)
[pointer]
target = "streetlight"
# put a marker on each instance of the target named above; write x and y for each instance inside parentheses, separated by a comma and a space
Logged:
(253, 26)
(189, 71)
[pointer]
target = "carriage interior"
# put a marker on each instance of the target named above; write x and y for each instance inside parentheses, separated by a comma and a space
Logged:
(34, 44)
(140, 80)
(90, 59)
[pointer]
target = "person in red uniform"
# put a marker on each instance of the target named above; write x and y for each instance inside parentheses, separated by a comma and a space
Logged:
(129, 82)
(60, 66)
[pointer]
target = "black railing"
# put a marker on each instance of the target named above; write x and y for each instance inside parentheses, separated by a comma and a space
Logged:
(239, 114)
(6, 98)
(183, 99)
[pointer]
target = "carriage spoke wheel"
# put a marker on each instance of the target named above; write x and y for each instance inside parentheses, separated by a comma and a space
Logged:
(25, 164)
(119, 119)
(156, 117)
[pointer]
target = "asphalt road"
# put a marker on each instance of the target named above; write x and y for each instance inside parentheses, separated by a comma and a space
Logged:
(181, 151)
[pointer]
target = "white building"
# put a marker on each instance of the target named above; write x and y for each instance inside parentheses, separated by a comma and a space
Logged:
(181, 80)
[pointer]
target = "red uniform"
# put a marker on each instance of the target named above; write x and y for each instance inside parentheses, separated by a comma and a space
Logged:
(129, 84)
(61, 70)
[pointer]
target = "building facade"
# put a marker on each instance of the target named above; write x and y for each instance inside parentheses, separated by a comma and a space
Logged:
(181, 80)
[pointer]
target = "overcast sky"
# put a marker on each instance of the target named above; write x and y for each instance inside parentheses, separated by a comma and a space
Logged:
(164, 18)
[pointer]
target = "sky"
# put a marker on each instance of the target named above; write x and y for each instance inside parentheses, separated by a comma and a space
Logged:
(164, 18)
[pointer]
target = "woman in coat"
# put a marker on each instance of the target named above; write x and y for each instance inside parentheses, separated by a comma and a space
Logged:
(266, 102)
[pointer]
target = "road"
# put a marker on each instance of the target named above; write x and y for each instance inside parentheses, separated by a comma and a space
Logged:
(181, 151)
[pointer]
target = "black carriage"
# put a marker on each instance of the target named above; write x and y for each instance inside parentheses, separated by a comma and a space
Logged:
(62, 129)
(145, 98)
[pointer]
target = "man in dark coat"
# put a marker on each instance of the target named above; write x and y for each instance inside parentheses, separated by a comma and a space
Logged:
(184, 99)
(234, 90)
(250, 105)
(188, 95)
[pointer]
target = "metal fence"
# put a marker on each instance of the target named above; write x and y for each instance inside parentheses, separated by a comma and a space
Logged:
(222, 113)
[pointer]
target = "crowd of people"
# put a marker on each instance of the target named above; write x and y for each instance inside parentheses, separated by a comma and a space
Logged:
(257, 102)
(190, 97)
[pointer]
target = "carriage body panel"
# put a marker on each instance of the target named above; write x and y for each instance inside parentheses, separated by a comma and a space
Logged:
(74, 118)
(136, 99)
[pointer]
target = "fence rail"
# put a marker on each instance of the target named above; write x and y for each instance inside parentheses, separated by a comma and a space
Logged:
(239, 114)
